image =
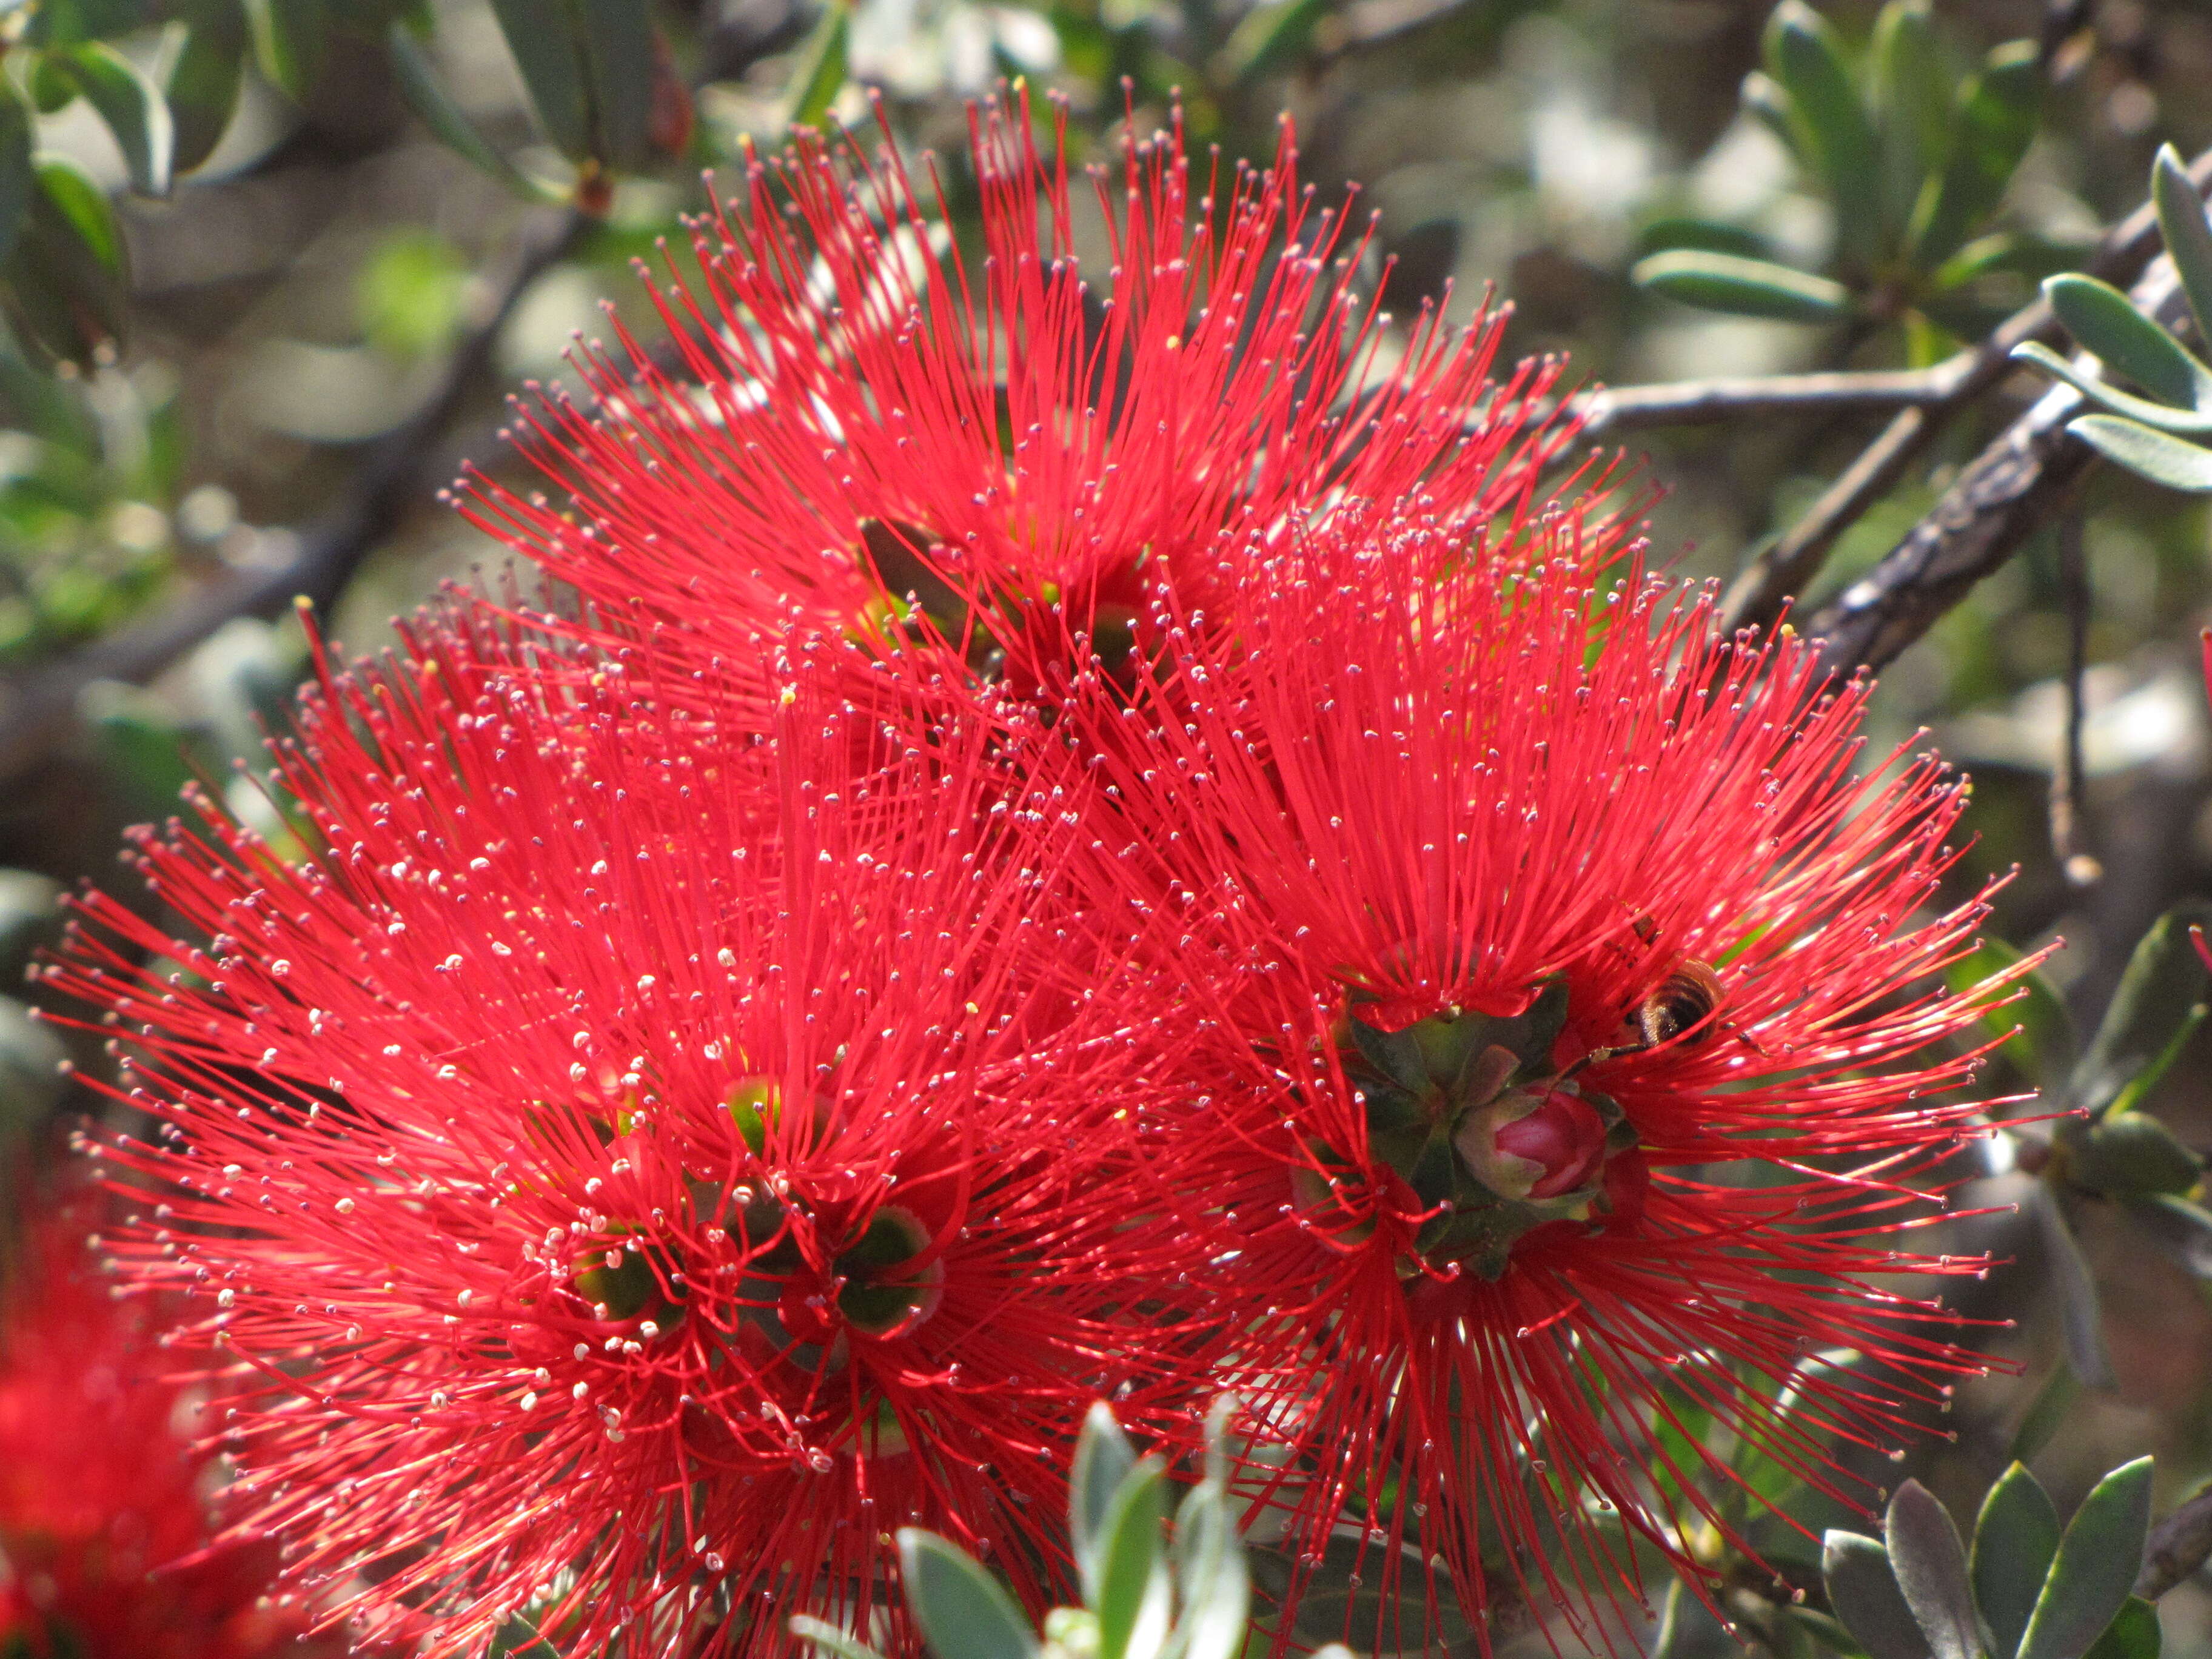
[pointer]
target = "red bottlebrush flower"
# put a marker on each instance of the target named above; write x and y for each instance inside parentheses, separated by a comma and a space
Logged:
(106, 1517)
(637, 1169)
(1574, 1061)
(1026, 454)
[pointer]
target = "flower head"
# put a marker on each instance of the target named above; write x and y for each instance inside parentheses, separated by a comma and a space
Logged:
(635, 1168)
(1565, 987)
(107, 1501)
(885, 442)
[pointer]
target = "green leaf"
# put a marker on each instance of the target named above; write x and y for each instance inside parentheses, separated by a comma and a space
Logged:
(1713, 235)
(1864, 1594)
(1212, 1585)
(427, 96)
(410, 294)
(822, 1634)
(963, 1611)
(821, 66)
(1416, 1615)
(2045, 1413)
(2098, 1561)
(2079, 1316)
(2133, 1634)
(543, 37)
(1103, 1458)
(2188, 236)
(2151, 456)
(2033, 1016)
(2131, 1152)
(1912, 106)
(1748, 288)
(2182, 1230)
(2164, 980)
(518, 1639)
(2014, 1539)
(203, 82)
(1765, 99)
(2106, 321)
(1836, 138)
(18, 178)
(617, 37)
(66, 287)
(291, 39)
(1929, 1563)
(2185, 423)
(1133, 1598)
(129, 103)
(1269, 36)
(1995, 123)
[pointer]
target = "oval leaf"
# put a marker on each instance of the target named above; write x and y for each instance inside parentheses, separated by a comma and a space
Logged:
(821, 68)
(2185, 423)
(1836, 137)
(2080, 1315)
(2098, 1561)
(541, 35)
(66, 287)
(828, 1636)
(202, 86)
(1749, 287)
(427, 96)
(2133, 1635)
(2014, 1539)
(617, 37)
(2149, 455)
(1103, 1459)
(2106, 322)
(1995, 124)
(1133, 1598)
(290, 38)
(2182, 1230)
(2188, 235)
(2132, 1153)
(963, 1611)
(1864, 1594)
(131, 106)
(1929, 1564)
(2162, 983)
(1913, 105)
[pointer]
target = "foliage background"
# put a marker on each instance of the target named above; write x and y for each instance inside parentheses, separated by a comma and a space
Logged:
(322, 319)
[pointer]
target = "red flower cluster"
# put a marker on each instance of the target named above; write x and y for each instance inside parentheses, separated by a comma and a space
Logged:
(105, 1488)
(1099, 841)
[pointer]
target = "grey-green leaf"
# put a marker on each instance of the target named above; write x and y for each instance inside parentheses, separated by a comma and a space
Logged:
(1103, 1458)
(2134, 1634)
(518, 1639)
(822, 1634)
(2014, 1539)
(1864, 1594)
(18, 178)
(2185, 423)
(963, 1611)
(2106, 321)
(2149, 454)
(2182, 1230)
(1802, 54)
(203, 82)
(1214, 1588)
(427, 96)
(2164, 980)
(2098, 1561)
(1132, 1602)
(821, 68)
(2131, 1152)
(2080, 1315)
(1749, 287)
(2045, 1413)
(617, 37)
(1913, 105)
(290, 38)
(1995, 124)
(543, 34)
(2188, 235)
(1928, 1561)
(132, 107)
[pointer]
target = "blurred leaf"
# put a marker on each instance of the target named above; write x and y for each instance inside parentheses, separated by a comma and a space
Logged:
(1912, 106)
(519, 1638)
(2129, 1152)
(1996, 122)
(2148, 454)
(1712, 235)
(2164, 980)
(2106, 320)
(820, 68)
(28, 919)
(1269, 36)
(1838, 140)
(1333, 1608)
(963, 1611)
(1864, 1594)
(617, 37)
(2080, 1315)
(131, 105)
(2182, 1230)
(1134, 1594)
(2098, 1561)
(2045, 1413)
(2188, 236)
(427, 96)
(2034, 1018)
(2133, 1634)
(18, 178)
(542, 35)
(1103, 1458)
(204, 82)
(290, 40)
(1748, 288)
(140, 748)
(828, 1635)
(64, 288)
(2182, 421)
(2014, 1539)
(1213, 1590)
(409, 294)
(1929, 1563)
(31, 1081)
(1767, 102)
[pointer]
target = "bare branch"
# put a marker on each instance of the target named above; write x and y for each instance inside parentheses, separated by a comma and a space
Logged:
(2178, 1548)
(2069, 837)
(38, 708)
(1693, 403)
(1785, 568)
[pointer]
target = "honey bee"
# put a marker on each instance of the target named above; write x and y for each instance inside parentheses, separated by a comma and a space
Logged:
(1682, 1005)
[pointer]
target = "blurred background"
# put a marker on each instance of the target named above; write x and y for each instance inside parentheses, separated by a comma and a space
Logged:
(282, 262)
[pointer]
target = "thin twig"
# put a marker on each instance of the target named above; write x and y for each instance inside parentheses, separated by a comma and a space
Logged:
(1693, 403)
(2001, 497)
(2178, 1548)
(38, 709)
(1785, 569)
(2068, 841)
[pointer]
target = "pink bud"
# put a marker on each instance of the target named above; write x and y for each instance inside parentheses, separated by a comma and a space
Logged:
(1564, 1136)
